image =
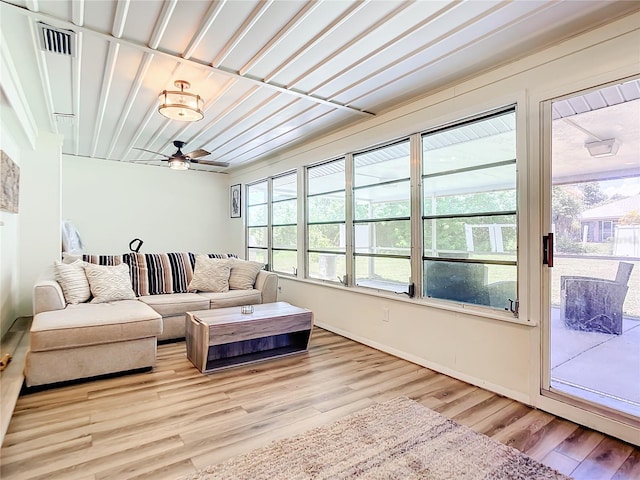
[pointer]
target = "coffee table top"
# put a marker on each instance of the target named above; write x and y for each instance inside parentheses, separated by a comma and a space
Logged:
(219, 316)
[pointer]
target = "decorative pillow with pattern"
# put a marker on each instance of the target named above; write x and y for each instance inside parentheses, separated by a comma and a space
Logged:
(243, 274)
(73, 281)
(210, 275)
(109, 283)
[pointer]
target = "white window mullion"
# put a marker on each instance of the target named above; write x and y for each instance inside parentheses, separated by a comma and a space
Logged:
(416, 213)
(349, 215)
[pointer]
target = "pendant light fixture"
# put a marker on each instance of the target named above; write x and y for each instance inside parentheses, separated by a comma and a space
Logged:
(181, 105)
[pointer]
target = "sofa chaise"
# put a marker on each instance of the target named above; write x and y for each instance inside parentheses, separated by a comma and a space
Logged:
(140, 298)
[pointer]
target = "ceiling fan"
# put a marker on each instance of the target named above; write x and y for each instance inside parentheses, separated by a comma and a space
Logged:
(181, 161)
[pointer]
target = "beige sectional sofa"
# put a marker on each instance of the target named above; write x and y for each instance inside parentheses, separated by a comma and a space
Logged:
(73, 341)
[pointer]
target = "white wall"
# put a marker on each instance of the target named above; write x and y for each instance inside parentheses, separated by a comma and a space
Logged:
(500, 355)
(39, 214)
(111, 203)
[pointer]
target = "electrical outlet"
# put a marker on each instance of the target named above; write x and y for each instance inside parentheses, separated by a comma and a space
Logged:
(385, 314)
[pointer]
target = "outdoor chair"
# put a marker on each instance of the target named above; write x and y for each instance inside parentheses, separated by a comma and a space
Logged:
(594, 304)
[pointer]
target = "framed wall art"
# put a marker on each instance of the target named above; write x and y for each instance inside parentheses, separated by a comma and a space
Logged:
(9, 184)
(235, 201)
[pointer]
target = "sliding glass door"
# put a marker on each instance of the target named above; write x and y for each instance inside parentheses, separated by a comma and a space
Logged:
(594, 313)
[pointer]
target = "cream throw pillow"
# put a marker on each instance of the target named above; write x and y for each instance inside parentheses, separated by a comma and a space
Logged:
(243, 274)
(210, 275)
(73, 281)
(109, 283)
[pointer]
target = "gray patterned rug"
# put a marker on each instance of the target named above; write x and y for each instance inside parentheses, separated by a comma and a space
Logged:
(398, 439)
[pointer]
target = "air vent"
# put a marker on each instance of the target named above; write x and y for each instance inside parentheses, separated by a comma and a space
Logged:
(57, 40)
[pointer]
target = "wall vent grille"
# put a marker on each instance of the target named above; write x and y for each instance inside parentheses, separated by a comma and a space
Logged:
(57, 40)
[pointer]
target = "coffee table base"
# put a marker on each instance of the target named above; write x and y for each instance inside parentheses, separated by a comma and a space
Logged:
(224, 338)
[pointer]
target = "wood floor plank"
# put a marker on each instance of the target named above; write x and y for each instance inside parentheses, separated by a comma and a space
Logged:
(172, 420)
(604, 461)
(630, 468)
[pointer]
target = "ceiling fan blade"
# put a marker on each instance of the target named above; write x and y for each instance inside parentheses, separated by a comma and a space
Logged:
(197, 153)
(211, 163)
(151, 160)
(151, 151)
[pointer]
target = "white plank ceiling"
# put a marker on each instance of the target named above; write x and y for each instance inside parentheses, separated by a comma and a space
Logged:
(273, 73)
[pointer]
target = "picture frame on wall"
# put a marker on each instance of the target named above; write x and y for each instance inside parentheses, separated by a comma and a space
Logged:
(235, 201)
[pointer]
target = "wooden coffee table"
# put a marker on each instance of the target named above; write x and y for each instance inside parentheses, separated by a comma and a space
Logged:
(224, 337)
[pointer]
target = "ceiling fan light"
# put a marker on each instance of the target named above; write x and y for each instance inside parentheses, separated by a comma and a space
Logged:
(181, 105)
(178, 164)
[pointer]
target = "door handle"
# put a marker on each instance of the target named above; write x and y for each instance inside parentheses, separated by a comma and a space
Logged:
(547, 250)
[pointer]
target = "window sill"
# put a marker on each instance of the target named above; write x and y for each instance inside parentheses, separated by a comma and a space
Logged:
(477, 311)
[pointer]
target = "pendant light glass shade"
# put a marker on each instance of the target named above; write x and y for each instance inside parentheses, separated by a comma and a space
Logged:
(181, 105)
(178, 164)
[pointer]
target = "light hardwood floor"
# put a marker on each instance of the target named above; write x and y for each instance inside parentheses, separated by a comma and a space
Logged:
(174, 420)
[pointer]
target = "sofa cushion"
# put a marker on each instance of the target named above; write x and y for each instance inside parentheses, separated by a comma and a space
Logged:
(210, 275)
(93, 324)
(233, 298)
(109, 284)
(73, 281)
(243, 274)
(175, 303)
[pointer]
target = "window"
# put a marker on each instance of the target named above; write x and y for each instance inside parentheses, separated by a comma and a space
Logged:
(284, 224)
(257, 222)
(326, 214)
(432, 215)
(469, 212)
(382, 217)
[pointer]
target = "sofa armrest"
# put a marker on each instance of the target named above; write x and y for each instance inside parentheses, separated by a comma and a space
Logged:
(47, 296)
(267, 283)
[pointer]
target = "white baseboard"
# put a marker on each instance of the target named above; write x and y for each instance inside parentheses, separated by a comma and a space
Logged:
(499, 389)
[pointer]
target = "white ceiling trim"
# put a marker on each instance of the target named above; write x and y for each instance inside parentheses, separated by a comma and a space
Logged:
(302, 14)
(244, 117)
(122, 9)
(112, 58)
(77, 12)
(289, 142)
(133, 93)
(147, 118)
(315, 40)
(44, 76)
(161, 26)
(210, 17)
(14, 93)
(415, 52)
(68, 25)
(32, 5)
(76, 66)
(372, 28)
(241, 32)
(251, 126)
(387, 45)
(246, 96)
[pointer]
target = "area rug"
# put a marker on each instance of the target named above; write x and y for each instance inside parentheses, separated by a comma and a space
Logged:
(398, 439)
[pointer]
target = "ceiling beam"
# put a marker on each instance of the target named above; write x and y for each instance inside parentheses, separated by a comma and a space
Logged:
(344, 17)
(210, 17)
(11, 87)
(302, 14)
(57, 22)
(107, 78)
(241, 32)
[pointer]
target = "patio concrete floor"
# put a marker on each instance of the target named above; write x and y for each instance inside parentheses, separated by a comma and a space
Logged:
(598, 367)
